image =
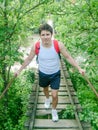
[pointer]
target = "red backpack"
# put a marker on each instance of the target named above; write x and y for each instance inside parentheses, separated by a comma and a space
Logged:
(56, 46)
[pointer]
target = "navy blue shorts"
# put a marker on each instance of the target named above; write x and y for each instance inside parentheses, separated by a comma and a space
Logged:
(49, 79)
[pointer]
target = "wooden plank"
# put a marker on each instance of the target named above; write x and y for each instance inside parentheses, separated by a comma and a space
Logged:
(62, 88)
(43, 112)
(45, 123)
(63, 81)
(58, 129)
(63, 93)
(62, 99)
(64, 124)
(62, 128)
(59, 106)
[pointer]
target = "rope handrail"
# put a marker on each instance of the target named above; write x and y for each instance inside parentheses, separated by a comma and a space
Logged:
(9, 84)
(91, 86)
(85, 77)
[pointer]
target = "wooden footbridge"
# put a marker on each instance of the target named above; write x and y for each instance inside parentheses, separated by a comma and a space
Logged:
(38, 118)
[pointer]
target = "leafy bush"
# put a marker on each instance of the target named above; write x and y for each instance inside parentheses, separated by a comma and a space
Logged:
(88, 100)
(68, 113)
(13, 117)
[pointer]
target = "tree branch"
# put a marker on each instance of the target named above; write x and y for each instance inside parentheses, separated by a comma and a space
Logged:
(29, 10)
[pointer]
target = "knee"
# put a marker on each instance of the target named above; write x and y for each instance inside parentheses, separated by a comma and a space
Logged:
(54, 95)
(46, 89)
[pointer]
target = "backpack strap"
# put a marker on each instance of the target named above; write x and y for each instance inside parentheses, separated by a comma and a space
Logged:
(37, 47)
(56, 46)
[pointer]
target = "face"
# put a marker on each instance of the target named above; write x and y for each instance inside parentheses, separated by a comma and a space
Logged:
(46, 36)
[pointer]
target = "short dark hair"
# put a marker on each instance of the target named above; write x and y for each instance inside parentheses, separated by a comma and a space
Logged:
(46, 27)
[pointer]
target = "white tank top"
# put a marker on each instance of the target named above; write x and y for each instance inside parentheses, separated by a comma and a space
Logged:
(48, 60)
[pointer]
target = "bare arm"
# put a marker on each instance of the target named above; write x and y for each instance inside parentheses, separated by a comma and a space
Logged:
(27, 60)
(69, 58)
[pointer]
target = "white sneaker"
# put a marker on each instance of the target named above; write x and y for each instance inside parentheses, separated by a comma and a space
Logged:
(55, 115)
(47, 103)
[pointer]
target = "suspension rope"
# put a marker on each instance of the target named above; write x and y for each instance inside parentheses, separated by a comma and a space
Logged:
(85, 77)
(91, 86)
(9, 84)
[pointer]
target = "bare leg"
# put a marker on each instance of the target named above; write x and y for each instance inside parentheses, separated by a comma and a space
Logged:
(46, 91)
(54, 98)
(47, 100)
(54, 105)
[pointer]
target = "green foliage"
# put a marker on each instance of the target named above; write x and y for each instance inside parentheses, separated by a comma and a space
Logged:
(87, 99)
(13, 117)
(69, 112)
(90, 116)
(29, 75)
